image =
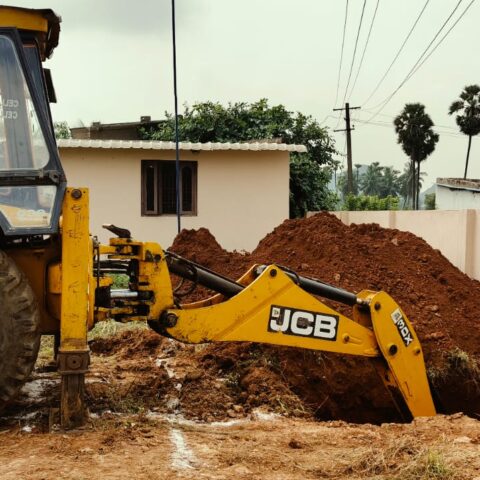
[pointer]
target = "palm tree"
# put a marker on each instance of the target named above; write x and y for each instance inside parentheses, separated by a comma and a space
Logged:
(371, 180)
(357, 169)
(390, 182)
(469, 122)
(414, 129)
(405, 182)
(342, 185)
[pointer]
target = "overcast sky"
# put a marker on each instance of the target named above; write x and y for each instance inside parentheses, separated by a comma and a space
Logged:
(114, 64)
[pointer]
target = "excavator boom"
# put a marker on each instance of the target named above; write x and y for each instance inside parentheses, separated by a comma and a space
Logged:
(273, 305)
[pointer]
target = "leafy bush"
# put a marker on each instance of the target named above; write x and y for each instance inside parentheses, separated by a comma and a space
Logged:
(370, 202)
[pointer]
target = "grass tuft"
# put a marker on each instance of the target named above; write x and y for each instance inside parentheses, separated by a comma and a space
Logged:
(109, 328)
(430, 465)
(462, 362)
(403, 460)
(457, 363)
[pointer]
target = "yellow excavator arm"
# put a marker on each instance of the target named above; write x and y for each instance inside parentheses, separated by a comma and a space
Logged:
(271, 304)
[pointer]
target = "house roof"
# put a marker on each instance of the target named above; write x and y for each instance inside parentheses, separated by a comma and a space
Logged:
(459, 184)
(158, 145)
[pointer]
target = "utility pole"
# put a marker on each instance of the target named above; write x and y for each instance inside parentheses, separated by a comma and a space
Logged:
(348, 129)
(177, 150)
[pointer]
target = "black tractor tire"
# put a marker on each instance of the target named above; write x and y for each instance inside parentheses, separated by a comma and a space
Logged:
(19, 329)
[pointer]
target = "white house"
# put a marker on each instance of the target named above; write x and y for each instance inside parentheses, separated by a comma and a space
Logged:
(457, 194)
(239, 191)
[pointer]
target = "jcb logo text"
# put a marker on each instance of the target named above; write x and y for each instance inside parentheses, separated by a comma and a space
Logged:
(303, 323)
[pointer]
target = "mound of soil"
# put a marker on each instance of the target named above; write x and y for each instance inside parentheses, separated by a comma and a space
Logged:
(441, 302)
(131, 342)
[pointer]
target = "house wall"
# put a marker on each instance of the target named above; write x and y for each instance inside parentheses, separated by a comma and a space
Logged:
(456, 233)
(456, 199)
(242, 195)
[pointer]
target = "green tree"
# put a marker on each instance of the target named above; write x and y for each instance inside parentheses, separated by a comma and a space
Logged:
(342, 184)
(239, 122)
(371, 180)
(377, 180)
(61, 130)
(469, 119)
(430, 201)
(390, 184)
(305, 195)
(357, 166)
(414, 131)
(405, 181)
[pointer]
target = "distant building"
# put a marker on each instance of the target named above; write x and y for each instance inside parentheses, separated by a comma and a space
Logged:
(115, 131)
(457, 194)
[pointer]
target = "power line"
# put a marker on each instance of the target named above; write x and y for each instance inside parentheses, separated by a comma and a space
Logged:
(443, 38)
(379, 123)
(414, 68)
(354, 51)
(398, 53)
(386, 115)
(409, 74)
(341, 53)
(365, 48)
(353, 60)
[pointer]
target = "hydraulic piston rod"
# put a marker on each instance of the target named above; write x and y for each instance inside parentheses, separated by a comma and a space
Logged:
(203, 276)
(316, 287)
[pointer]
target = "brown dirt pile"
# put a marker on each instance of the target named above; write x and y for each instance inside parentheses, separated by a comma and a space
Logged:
(137, 370)
(441, 302)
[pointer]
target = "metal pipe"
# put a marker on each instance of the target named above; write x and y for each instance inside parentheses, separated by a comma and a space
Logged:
(117, 271)
(202, 275)
(316, 287)
(123, 293)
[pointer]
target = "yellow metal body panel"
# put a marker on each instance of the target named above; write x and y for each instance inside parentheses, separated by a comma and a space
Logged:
(402, 351)
(245, 317)
(76, 252)
(34, 262)
(153, 276)
(22, 19)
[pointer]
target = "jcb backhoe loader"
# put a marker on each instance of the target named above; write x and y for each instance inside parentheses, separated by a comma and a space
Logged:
(54, 275)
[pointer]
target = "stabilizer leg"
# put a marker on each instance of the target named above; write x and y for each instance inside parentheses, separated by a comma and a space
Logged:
(73, 354)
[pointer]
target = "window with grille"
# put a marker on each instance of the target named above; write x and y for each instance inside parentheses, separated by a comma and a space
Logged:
(159, 187)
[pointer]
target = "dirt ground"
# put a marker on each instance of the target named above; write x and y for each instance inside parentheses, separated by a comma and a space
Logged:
(147, 422)
(161, 409)
(277, 448)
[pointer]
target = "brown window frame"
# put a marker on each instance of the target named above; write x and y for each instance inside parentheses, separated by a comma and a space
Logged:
(157, 209)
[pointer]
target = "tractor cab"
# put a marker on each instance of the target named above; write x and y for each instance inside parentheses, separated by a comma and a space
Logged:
(32, 181)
